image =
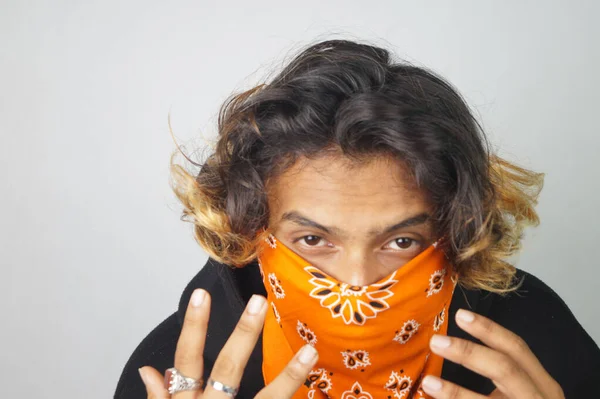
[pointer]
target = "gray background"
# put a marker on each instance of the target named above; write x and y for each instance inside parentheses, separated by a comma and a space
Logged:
(93, 254)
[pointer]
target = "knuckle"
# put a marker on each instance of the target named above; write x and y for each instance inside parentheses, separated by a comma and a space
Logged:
(506, 368)
(185, 357)
(225, 366)
(466, 348)
(194, 321)
(487, 325)
(190, 319)
(245, 326)
(294, 373)
(519, 344)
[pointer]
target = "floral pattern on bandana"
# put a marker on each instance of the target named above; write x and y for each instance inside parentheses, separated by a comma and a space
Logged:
(306, 334)
(351, 290)
(436, 282)
(375, 336)
(276, 286)
(356, 359)
(409, 329)
(319, 379)
(439, 320)
(399, 385)
(355, 305)
(271, 240)
(356, 392)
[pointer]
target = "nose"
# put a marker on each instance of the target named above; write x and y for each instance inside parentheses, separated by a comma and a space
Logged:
(358, 268)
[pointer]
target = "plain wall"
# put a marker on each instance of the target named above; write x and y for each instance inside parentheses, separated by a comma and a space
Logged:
(93, 253)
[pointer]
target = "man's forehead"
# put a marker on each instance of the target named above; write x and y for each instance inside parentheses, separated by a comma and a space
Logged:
(337, 169)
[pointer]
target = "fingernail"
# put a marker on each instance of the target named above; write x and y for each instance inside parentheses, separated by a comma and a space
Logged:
(198, 297)
(255, 304)
(143, 375)
(432, 384)
(465, 315)
(307, 354)
(440, 341)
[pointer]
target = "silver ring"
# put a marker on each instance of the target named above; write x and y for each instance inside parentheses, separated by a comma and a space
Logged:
(219, 386)
(175, 382)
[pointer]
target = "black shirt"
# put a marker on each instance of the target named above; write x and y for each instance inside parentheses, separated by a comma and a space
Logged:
(535, 313)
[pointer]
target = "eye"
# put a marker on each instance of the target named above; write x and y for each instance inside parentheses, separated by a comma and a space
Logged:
(312, 241)
(402, 244)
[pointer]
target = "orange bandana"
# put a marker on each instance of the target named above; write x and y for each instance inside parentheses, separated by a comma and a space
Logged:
(373, 341)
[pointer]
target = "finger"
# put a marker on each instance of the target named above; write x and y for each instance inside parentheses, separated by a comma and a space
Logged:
(442, 389)
(497, 337)
(153, 381)
(190, 346)
(508, 376)
(293, 375)
(232, 359)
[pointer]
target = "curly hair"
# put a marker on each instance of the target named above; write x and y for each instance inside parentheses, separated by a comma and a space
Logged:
(353, 97)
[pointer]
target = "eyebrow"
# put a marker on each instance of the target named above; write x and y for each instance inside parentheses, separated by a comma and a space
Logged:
(298, 218)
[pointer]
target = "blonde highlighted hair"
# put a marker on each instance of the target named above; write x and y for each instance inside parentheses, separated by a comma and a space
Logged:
(355, 98)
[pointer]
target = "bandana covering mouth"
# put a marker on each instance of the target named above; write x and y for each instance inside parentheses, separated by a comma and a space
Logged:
(373, 340)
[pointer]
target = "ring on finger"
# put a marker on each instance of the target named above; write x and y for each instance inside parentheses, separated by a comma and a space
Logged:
(219, 386)
(176, 382)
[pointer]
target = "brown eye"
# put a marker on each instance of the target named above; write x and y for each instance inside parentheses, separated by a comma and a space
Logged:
(311, 240)
(405, 245)
(404, 242)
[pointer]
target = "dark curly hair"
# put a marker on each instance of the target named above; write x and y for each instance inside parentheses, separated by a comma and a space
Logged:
(353, 98)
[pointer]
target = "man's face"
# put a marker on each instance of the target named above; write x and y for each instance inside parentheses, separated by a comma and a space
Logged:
(358, 222)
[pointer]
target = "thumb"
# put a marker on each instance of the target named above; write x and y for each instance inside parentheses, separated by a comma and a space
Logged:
(153, 381)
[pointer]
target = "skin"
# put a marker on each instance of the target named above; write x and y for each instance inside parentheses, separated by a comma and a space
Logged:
(344, 217)
(358, 204)
(232, 359)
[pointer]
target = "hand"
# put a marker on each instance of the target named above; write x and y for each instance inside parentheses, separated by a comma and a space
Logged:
(232, 359)
(506, 360)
